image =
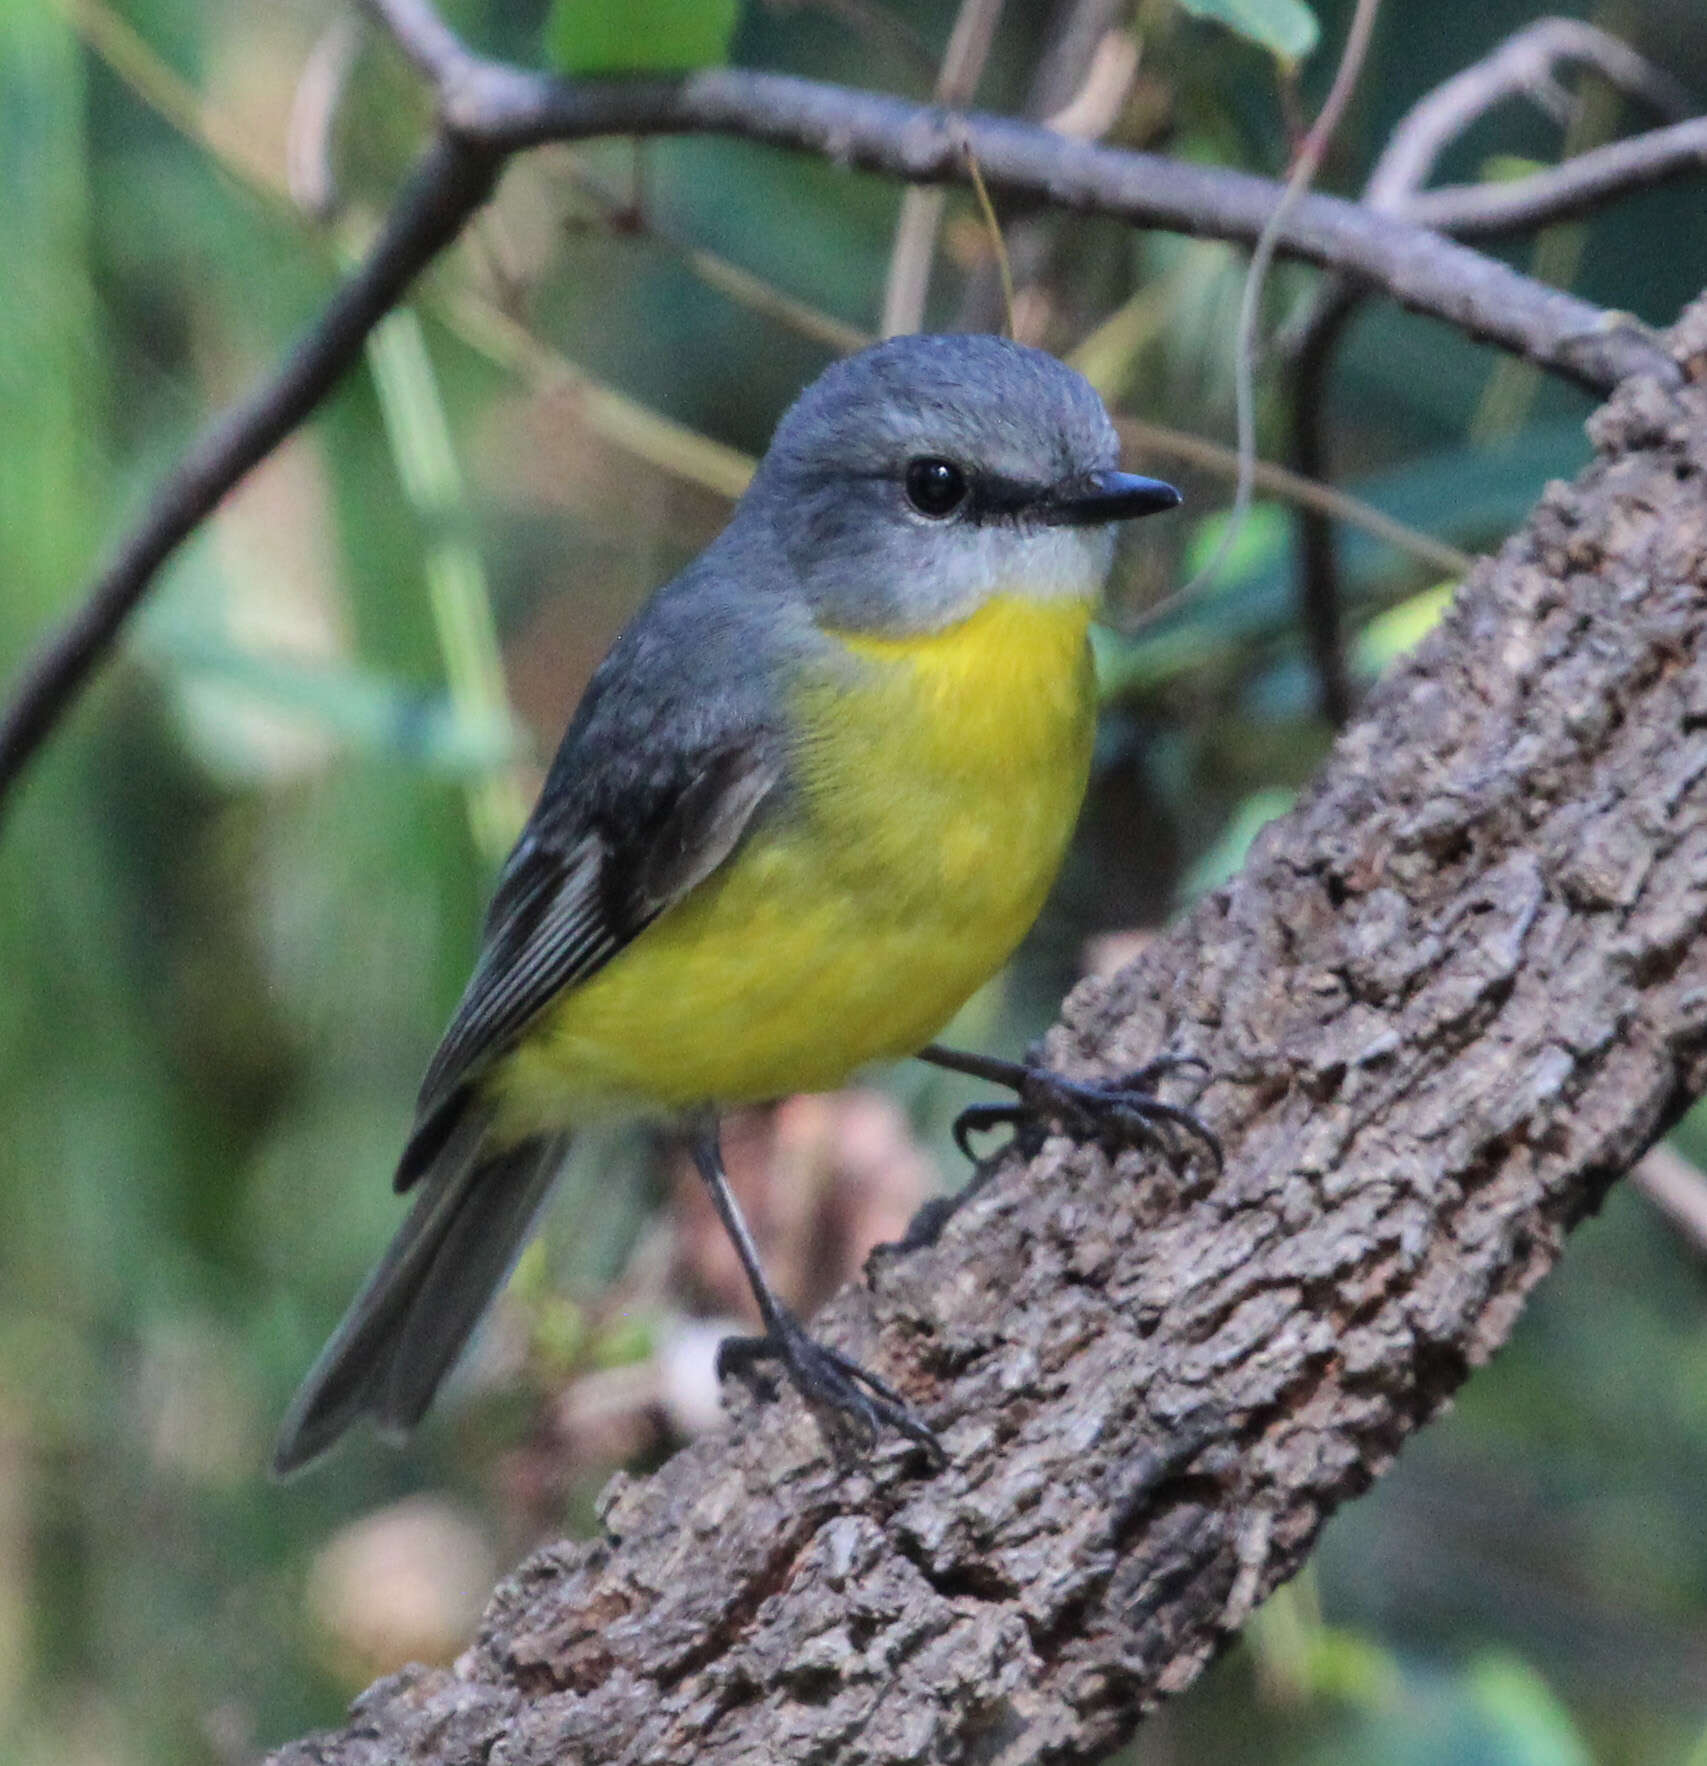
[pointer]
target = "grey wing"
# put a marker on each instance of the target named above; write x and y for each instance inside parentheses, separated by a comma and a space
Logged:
(566, 904)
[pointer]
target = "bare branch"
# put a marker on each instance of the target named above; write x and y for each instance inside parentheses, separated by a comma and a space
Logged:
(910, 258)
(1447, 1000)
(1587, 182)
(507, 109)
(488, 111)
(1321, 617)
(450, 182)
(1522, 66)
(1678, 1190)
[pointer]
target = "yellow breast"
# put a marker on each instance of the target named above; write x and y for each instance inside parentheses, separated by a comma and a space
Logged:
(938, 780)
(955, 764)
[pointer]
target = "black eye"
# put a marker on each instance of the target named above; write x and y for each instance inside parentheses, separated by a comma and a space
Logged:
(935, 487)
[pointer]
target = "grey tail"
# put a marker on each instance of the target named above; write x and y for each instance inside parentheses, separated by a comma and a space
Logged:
(473, 1210)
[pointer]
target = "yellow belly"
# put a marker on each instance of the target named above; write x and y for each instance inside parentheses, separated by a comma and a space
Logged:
(938, 788)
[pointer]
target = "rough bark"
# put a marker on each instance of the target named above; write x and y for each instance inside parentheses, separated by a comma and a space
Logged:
(1448, 1000)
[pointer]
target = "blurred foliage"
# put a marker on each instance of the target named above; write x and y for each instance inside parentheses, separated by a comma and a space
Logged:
(240, 891)
(1287, 28)
(642, 36)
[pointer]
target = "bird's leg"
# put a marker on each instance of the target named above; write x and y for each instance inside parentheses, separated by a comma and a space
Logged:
(824, 1377)
(1123, 1111)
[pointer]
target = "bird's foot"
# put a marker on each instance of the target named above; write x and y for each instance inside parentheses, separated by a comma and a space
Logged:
(828, 1380)
(1122, 1112)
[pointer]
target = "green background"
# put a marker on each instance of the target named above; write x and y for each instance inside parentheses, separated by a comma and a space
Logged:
(240, 890)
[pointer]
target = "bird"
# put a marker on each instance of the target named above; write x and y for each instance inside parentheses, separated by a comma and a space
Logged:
(810, 801)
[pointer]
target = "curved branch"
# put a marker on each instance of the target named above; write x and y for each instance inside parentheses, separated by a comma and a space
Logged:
(452, 180)
(489, 111)
(1447, 1001)
(1522, 65)
(509, 108)
(1318, 543)
(1579, 185)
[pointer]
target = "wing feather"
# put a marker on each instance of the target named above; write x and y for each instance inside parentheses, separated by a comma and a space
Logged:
(566, 904)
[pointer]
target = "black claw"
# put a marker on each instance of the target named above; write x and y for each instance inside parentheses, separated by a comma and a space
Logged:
(1124, 1124)
(981, 1118)
(1124, 1112)
(739, 1358)
(1144, 1078)
(1129, 1112)
(827, 1379)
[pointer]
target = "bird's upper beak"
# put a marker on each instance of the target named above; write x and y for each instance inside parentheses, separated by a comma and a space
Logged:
(1107, 496)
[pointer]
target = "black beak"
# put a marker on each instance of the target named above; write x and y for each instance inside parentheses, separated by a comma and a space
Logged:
(1107, 496)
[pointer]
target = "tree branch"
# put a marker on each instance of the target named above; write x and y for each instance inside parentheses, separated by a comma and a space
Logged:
(1333, 678)
(509, 108)
(913, 254)
(1448, 1000)
(1521, 66)
(452, 179)
(489, 111)
(1586, 182)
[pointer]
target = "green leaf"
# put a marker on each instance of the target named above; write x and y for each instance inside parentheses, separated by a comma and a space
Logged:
(1286, 28)
(1533, 1725)
(593, 37)
(1262, 540)
(1507, 168)
(1225, 856)
(1389, 635)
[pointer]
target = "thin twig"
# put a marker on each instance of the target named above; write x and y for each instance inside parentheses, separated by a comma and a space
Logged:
(488, 111)
(998, 246)
(449, 183)
(1323, 637)
(1677, 1189)
(508, 108)
(907, 286)
(1335, 504)
(1568, 191)
(319, 96)
(1521, 66)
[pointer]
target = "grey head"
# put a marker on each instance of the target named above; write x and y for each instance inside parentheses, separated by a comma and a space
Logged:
(911, 482)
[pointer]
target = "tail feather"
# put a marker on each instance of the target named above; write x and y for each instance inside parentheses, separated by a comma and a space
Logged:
(473, 1210)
